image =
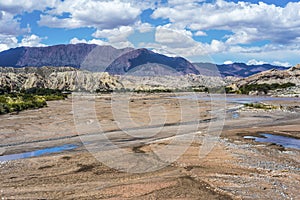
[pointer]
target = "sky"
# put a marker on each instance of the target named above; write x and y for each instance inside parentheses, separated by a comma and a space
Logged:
(218, 31)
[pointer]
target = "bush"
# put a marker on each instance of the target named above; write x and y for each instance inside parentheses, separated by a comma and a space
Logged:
(260, 106)
(246, 89)
(28, 99)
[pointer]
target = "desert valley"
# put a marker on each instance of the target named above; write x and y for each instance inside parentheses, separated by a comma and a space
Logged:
(95, 122)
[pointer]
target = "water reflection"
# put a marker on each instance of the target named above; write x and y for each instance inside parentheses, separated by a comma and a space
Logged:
(287, 142)
(38, 152)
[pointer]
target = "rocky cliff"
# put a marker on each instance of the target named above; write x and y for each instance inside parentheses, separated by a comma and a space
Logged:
(291, 75)
(272, 82)
(63, 78)
(173, 82)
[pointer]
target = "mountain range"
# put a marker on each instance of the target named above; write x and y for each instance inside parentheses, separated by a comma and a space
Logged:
(131, 61)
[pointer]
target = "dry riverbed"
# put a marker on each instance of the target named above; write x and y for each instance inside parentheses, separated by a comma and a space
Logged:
(235, 168)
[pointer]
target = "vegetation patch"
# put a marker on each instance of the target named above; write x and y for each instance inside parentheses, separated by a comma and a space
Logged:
(260, 106)
(265, 88)
(28, 99)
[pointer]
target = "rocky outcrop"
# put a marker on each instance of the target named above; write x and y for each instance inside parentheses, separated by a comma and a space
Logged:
(173, 82)
(63, 78)
(68, 78)
(291, 75)
(273, 82)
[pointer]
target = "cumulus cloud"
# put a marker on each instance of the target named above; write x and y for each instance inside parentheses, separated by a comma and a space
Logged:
(9, 25)
(19, 6)
(117, 37)
(116, 34)
(143, 27)
(276, 63)
(283, 64)
(200, 33)
(7, 42)
(119, 45)
(248, 22)
(180, 2)
(256, 62)
(179, 42)
(32, 41)
(228, 62)
(93, 41)
(174, 38)
(91, 13)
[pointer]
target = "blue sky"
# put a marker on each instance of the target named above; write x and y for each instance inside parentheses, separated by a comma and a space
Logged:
(218, 31)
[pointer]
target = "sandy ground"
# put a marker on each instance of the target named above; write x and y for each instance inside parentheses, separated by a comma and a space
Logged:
(231, 168)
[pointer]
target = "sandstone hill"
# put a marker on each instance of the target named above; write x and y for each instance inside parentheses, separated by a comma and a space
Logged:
(291, 75)
(63, 78)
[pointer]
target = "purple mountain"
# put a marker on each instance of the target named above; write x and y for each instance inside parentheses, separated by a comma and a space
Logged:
(235, 69)
(86, 56)
(93, 57)
(146, 62)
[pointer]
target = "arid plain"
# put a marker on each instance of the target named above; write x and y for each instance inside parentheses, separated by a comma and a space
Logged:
(233, 167)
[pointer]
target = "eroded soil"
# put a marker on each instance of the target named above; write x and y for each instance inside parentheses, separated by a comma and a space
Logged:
(234, 167)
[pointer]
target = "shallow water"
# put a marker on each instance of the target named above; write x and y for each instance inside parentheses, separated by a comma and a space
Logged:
(287, 142)
(235, 115)
(38, 152)
(236, 99)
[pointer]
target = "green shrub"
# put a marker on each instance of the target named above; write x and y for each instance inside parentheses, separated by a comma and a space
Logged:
(246, 89)
(28, 99)
(260, 106)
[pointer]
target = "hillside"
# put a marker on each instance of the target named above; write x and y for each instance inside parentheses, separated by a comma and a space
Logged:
(87, 56)
(143, 61)
(62, 78)
(271, 82)
(291, 75)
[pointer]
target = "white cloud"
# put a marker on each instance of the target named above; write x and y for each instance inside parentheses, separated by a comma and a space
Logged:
(32, 41)
(228, 62)
(245, 36)
(116, 34)
(93, 41)
(164, 52)
(19, 6)
(283, 64)
(143, 27)
(119, 45)
(248, 22)
(180, 2)
(200, 33)
(117, 37)
(174, 38)
(179, 42)
(7, 42)
(9, 25)
(255, 62)
(91, 13)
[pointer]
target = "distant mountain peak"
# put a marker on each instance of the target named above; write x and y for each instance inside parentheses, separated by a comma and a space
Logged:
(93, 57)
(147, 61)
(236, 69)
(87, 56)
